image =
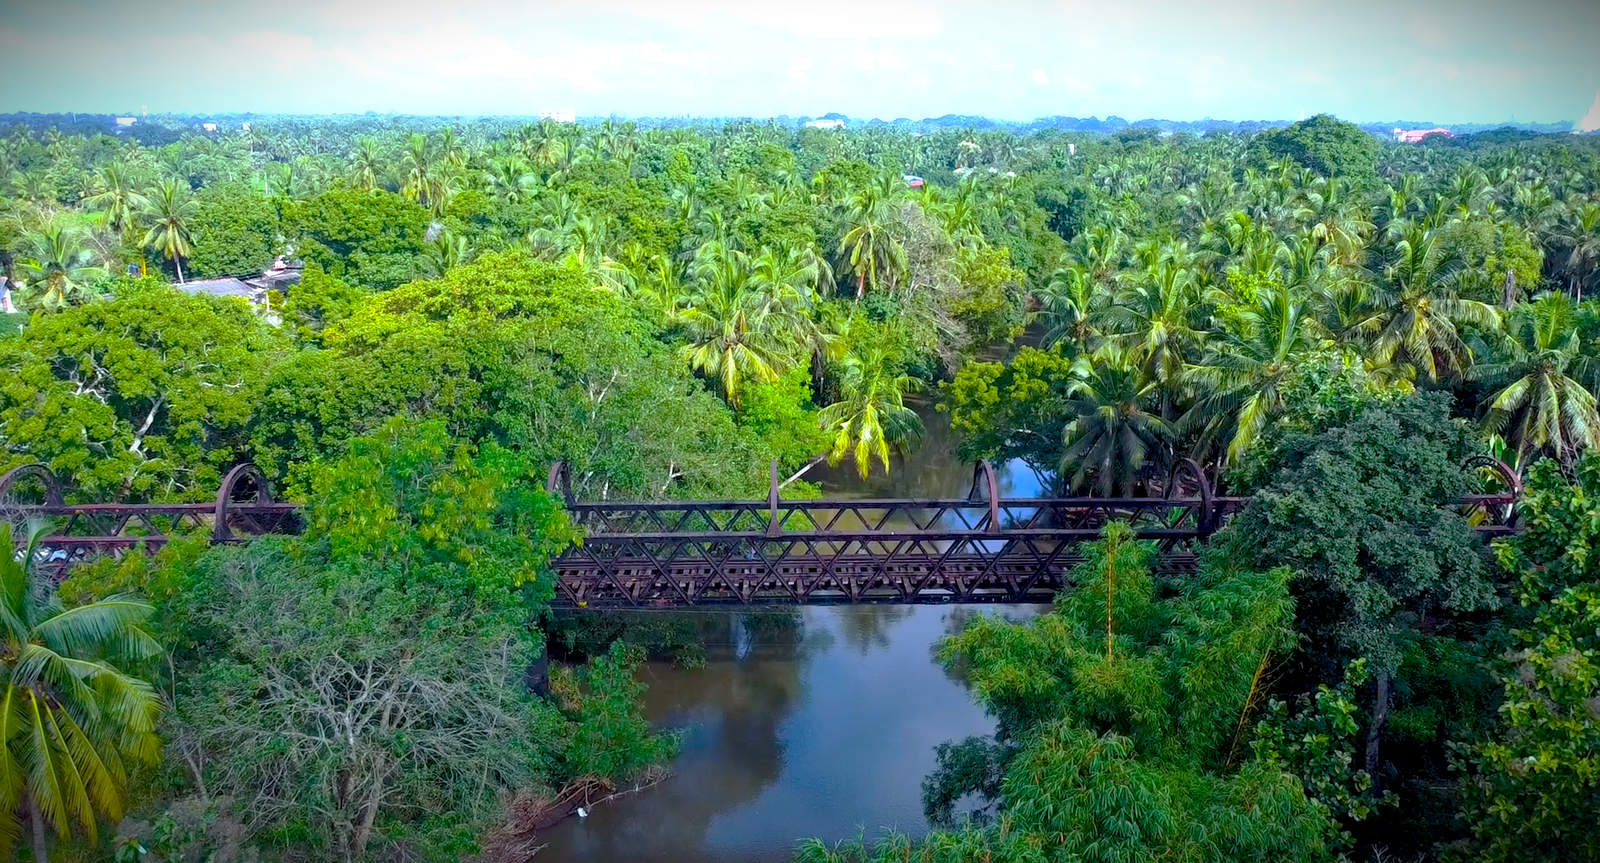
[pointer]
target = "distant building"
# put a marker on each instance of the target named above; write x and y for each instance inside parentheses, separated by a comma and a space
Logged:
(560, 116)
(127, 121)
(209, 127)
(280, 277)
(824, 124)
(913, 181)
(1412, 136)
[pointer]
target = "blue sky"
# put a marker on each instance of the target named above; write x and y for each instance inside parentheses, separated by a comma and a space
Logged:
(1441, 60)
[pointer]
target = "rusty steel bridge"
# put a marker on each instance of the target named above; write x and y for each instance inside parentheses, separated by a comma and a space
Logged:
(675, 554)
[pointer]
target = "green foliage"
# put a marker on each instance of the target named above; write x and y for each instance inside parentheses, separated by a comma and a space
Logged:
(235, 232)
(1323, 144)
(610, 739)
(523, 353)
(73, 716)
(146, 396)
(1126, 710)
(1361, 512)
(1534, 784)
(1318, 743)
(371, 239)
(1015, 410)
(318, 302)
(780, 419)
(990, 304)
(410, 494)
(399, 616)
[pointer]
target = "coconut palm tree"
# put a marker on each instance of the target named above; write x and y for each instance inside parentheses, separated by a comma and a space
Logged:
(1073, 308)
(71, 719)
(870, 247)
(1156, 322)
(870, 420)
(1242, 376)
(1582, 241)
(115, 197)
(1537, 364)
(169, 212)
(366, 165)
(1112, 435)
(1415, 316)
(57, 263)
(738, 330)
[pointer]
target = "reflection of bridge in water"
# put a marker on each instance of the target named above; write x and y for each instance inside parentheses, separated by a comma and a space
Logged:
(675, 554)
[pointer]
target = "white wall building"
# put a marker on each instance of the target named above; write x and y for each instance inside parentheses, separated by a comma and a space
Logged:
(560, 116)
(824, 124)
(127, 121)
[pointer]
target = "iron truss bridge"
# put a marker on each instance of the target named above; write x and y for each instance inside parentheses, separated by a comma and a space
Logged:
(981, 548)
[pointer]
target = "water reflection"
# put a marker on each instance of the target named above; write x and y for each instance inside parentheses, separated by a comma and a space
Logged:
(823, 734)
(818, 722)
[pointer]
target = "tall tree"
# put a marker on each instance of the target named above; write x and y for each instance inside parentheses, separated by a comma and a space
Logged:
(738, 329)
(870, 418)
(1113, 435)
(116, 197)
(169, 213)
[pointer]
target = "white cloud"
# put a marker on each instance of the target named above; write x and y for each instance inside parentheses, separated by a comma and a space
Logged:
(1591, 121)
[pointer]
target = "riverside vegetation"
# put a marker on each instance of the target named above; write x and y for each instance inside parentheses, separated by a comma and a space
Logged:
(1328, 322)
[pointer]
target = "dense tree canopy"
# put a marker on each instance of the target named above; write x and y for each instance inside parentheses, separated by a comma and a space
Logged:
(1311, 312)
(144, 396)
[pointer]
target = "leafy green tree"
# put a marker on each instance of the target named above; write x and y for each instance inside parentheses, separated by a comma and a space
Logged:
(73, 716)
(170, 212)
(1013, 411)
(521, 352)
(145, 396)
(399, 616)
(235, 231)
(990, 303)
(1362, 513)
(319, 301)
(372, 239)
(1328, 146)
(1534, 784)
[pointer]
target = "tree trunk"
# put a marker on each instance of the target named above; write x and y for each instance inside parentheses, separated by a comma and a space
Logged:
(861, 284)
(1380, 715)
(1511, 289)
(179, 264)
(36, 820)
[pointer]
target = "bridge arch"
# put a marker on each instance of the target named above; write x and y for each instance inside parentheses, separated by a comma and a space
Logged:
(52, 486)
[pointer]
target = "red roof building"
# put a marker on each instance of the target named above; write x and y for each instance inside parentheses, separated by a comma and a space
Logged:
(1413, 136)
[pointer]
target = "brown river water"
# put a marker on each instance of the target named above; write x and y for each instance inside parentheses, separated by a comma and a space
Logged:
(822, 729)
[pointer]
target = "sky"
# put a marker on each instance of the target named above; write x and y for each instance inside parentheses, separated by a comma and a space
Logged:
(1463, 61)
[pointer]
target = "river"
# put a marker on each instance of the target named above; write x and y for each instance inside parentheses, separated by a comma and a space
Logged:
(822, 729)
